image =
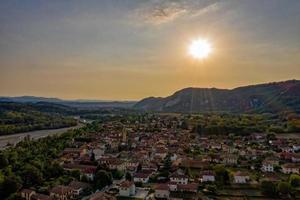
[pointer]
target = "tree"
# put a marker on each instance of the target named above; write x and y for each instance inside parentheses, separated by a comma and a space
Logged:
(84, 178)
(271, 136)
(54, 170)
(75, 173)
(139, 167)
(103, 179)
(167, 162)
(10, 185)
(283, 188)
(128, 176)
(222, 174)
(198, 129)
(294, 180)
(31, 176)
(268, 188)
(117, 174)
(3, 160)
(93, 157)
(212, 189)
(188, 171)
(184, 125)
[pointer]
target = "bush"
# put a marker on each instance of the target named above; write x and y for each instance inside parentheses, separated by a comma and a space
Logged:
(268, 188)
(283, 188)
(294, 180)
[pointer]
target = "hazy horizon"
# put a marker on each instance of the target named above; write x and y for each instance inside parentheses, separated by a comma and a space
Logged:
(131, 49)
(87, 99)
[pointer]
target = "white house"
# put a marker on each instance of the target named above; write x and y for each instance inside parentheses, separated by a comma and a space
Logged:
(179, 178)
(127, 189)
(208, 176)
(241, 177)
(26, 194)
(296, 147)
(267, 166)
(141, 177)
(78, 187)
(296, 157)
(173, 157)
(98, 152)
(290, 168)
(162, 191)
(230, 159)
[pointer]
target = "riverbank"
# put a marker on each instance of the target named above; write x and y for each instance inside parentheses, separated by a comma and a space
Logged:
(15, 138)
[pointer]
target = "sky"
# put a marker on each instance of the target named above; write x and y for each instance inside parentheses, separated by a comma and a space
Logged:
(131, 49)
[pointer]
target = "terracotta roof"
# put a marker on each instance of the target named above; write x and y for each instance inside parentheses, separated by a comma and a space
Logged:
(27, 191)
(126, 184)
(176, 175)
(102, 196)
(290, 165)
(84, 168)
(78, 185)
(239, 173)
(162, 187)
(191, 187)
(60, 189)
(141, 175)
(208, 173)
(38, 196)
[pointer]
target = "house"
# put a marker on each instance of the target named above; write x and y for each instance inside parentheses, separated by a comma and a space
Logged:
(149, 166)
(296, 157)
(208, 176)
(141, 177)
(79, 187)
(194, 164)
(27, 193)
(296, 147)
(117, 164)
(173, 157)
(241, 177)
(87, 170)
(131, 166)
(162, 191)
(179, 178)
(113, 163)
(267, 166)
(230, 159)
(98, 152)
(161, 152)
(290, 168)
(75, 151)
(127, 188)
(38, 196)
(61, 192)
(102, 196)
(190, 187)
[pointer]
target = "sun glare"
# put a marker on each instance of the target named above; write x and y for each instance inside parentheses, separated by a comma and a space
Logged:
(200, 48)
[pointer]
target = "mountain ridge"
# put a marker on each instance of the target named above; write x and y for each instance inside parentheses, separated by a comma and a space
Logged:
(266, 97)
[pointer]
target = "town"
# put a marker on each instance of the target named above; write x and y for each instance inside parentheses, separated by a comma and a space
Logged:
(160, 157)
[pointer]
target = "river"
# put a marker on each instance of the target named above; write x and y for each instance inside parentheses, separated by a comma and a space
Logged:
(15, 138)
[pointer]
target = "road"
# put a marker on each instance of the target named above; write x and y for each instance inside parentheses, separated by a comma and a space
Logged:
(15, 138)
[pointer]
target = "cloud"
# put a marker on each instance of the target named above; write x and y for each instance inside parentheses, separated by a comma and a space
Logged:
(163, 11)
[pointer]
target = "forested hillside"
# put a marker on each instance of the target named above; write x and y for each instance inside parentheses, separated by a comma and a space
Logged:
(17, 117)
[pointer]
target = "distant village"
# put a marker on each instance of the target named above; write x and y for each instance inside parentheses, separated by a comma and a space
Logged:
(160, 159)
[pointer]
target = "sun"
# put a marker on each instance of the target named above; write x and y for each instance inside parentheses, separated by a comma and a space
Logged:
(200, 48)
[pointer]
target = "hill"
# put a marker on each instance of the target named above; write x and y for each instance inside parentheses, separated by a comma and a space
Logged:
(269, 97)
(23, 117)
(81, 104)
